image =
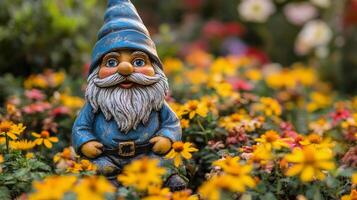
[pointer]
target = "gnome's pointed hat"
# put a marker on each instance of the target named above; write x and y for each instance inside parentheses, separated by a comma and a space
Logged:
(122, 29)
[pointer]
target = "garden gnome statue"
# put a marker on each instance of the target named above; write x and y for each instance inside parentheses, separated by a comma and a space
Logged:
(125, 116)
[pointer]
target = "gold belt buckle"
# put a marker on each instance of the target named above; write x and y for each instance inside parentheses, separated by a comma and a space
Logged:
(126, 149)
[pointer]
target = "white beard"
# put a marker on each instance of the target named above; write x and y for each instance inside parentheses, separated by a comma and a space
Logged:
(130, 106)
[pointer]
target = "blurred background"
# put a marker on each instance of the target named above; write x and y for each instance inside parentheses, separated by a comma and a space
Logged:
(37, 35)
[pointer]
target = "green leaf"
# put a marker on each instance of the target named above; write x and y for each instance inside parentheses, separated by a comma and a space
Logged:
(4, 193)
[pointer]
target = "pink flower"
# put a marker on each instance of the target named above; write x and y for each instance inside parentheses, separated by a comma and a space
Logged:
(239, 84)
(339, 114)
(35, 94)
(37, 107)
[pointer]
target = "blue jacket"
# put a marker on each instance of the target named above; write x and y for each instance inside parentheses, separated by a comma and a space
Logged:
(93, 126)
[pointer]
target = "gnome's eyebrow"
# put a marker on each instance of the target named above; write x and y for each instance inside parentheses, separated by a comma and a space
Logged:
(141, 54)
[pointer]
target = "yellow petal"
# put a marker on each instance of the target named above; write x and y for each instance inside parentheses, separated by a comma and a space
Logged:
(36, 135)
(307, 174)
(177, 161)
(53, 139)
(48, 144)
(186, 155)
(39, 141)
(328, 165)
(295, 169)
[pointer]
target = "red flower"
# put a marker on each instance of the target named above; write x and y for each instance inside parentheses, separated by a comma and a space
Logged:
(233, 29)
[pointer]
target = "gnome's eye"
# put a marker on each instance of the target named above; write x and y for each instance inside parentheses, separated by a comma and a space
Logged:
(112, 62)
(139, 63)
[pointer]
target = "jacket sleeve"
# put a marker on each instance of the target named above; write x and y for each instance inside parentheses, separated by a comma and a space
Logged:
(170, 124)
(82, 128)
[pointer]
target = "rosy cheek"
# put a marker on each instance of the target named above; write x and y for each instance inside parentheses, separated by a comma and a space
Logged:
(148, 71)
(106, 71)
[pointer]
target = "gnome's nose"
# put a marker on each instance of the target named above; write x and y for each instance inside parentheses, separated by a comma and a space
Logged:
(125, 68)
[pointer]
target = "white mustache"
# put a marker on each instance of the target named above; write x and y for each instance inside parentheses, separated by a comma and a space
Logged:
(116, 79)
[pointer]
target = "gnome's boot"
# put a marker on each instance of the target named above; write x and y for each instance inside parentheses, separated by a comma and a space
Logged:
(175, 183)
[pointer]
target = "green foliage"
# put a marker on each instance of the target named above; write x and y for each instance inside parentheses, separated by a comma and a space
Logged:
(18, 174)
(49, 33)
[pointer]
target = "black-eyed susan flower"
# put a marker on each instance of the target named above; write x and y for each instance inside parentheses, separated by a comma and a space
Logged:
(180, 150)
(155, 192)
(194, 107)
(232, 166)
(44, 138)
(351, 196)
(184, 195)
(94, 188)
(10, 129)
(272, 139)
(310, 162)
(22, 145)
(53, 187)
(142, 173)
(269, 106)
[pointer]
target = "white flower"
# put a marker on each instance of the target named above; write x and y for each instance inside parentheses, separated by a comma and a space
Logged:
(256, 10)
(314, 34)
(299, 13)
(322, 3)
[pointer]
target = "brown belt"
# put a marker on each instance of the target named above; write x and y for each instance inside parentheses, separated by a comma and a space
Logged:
(129, 149)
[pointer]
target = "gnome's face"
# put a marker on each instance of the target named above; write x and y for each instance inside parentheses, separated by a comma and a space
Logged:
(126, 63)
(127, 86)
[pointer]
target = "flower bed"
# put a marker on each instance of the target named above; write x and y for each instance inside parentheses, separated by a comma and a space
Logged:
(251, 131)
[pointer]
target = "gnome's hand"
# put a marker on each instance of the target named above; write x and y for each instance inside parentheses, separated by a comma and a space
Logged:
(92, 149)
(161, 144)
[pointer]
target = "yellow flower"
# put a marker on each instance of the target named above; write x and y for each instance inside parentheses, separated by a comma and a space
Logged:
(303, 75)
(180, 150)
(309, 163)
(185, 123)
(66, 154)
(142, 173)
(157, 193)
(37, 81)
(212, 188)
(253, 74)
(272, 139)
(172, 65)
(354, 178)
(318, 101)
(44, 138)
(30, 155)
(94, 188)
(223, 66)
(231, 166)
(194, 107)
(269, 106)
(11, 130)
(72, 102)
(83, 165)
(184, 195)
(261, 155)
(197, 76)
(281, 80)
(223, 89)
(351, 196)
(317, 141)
(53, 187)
(22, 145)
